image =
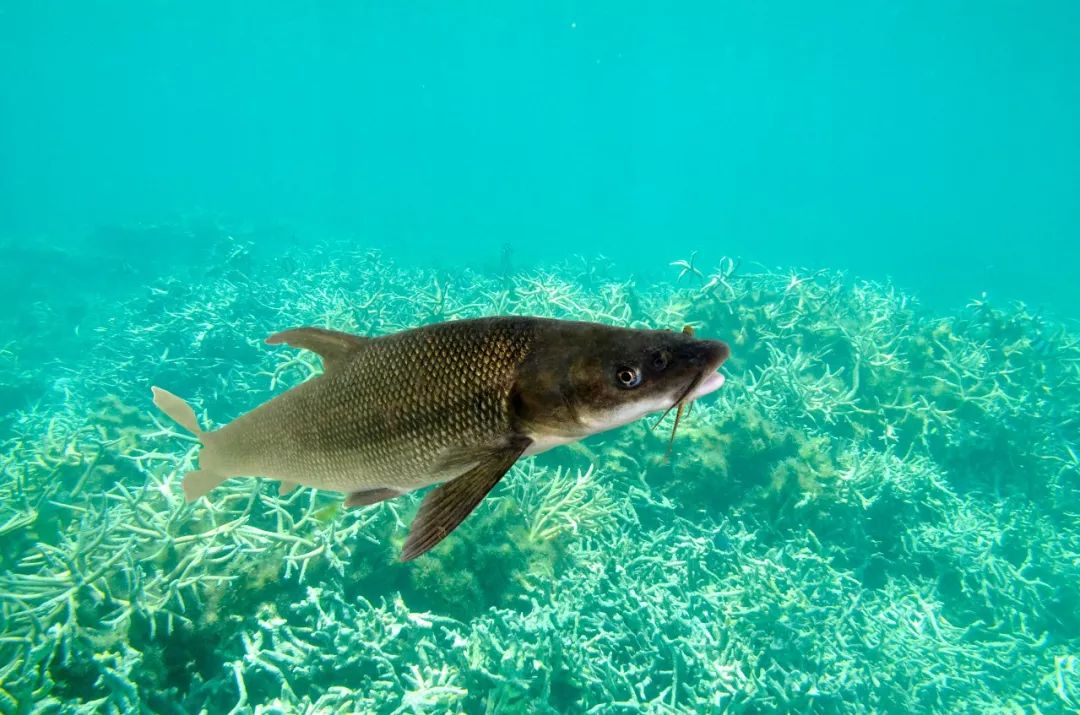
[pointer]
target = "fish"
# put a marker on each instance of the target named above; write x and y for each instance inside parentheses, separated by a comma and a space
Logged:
(455, 403)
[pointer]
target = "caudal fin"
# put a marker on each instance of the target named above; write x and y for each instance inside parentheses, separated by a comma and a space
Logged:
(179, 410)
(199, 482)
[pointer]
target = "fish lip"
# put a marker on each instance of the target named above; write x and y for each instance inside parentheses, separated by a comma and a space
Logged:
(711, 383)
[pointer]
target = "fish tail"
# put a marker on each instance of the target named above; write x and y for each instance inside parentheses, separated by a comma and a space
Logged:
(178, 410)
(201, 481)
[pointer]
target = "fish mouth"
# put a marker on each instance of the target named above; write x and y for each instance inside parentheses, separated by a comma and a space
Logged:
(709, 380)
(704, 385)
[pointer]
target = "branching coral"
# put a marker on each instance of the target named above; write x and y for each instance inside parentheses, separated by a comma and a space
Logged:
(560, 503)
(877, 512)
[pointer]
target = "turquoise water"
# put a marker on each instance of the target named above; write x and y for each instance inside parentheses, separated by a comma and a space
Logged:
(874, 204)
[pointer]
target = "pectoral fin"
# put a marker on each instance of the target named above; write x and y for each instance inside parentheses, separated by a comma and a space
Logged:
(447, 505)
(334, 347)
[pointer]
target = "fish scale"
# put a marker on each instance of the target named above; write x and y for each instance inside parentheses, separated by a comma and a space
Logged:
(386, 418)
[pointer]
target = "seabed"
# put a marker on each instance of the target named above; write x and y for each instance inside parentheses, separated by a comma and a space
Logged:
(877, 513)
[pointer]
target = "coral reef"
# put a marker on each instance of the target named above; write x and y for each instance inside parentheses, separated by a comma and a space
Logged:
(878, 512)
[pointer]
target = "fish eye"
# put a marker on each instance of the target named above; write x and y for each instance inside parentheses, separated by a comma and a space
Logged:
(628, 377)
(660, 361)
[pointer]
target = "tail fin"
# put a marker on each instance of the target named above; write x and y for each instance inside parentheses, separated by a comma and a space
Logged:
(179, 410)
(199, 482)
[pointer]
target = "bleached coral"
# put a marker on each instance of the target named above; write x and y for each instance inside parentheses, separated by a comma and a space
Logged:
(878, 512)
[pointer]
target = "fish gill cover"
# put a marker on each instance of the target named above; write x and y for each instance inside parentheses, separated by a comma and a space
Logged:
(878, 512)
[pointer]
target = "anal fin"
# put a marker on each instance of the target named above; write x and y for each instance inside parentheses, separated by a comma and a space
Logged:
(368, 497)
(445, 507)
(286, 488)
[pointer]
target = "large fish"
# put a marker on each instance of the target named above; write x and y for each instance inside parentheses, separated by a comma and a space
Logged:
(456, 403)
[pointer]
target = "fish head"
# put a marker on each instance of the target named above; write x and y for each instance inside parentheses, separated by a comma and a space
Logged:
(581, 378)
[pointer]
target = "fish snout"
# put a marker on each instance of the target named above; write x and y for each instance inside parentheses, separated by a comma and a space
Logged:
(716, 352)
(707, 355)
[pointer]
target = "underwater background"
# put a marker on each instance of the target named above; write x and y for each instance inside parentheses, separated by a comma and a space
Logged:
(874, 204)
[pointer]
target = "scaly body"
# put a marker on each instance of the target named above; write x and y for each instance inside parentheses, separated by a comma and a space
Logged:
(387, 417)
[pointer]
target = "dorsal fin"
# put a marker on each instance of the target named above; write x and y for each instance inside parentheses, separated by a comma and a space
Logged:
(334, 347)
